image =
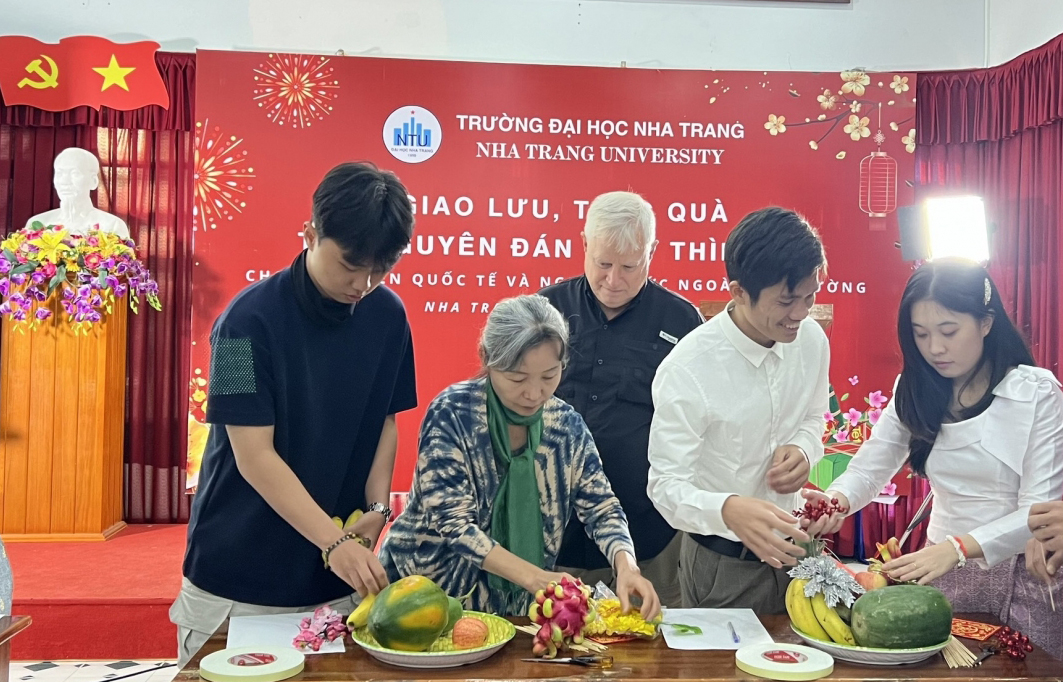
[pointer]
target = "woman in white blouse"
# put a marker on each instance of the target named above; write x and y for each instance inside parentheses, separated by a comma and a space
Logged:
(972, 414)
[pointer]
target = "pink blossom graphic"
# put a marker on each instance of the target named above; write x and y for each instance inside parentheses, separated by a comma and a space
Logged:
(873, 416)
(876, 400)
(854, 416)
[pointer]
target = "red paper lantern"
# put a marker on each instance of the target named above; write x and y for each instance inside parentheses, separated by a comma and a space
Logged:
(878, 184)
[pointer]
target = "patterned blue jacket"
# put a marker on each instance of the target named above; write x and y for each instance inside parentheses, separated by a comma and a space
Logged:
(444, 532)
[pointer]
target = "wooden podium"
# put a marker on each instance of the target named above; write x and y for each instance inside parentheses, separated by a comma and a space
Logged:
(62, 422)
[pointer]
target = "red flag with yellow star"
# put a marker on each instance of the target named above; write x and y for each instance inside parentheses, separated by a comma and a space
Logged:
(80, 71)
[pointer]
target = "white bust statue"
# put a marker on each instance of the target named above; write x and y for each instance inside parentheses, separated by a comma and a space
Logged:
(77, 172)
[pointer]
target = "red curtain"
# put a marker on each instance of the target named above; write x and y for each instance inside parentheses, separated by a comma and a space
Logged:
(146, 159)
(998, 133)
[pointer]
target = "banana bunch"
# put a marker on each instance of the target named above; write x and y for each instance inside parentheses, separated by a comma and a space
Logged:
(344, 525)
(813, 617)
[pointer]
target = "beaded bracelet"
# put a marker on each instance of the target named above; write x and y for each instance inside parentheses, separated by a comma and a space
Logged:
(960, 551)
(362, 540)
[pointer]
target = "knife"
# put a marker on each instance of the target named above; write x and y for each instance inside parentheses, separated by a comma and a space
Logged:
(920, 515)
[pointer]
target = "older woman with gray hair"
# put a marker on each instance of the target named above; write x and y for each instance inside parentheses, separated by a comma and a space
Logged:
(502, 466)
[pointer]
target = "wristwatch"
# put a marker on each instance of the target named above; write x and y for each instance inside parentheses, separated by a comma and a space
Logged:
(381, 508)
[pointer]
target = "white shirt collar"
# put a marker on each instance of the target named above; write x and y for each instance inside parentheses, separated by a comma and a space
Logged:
(750, 349)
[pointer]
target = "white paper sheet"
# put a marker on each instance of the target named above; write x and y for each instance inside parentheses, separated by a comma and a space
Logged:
(714, 631)
(274, 630)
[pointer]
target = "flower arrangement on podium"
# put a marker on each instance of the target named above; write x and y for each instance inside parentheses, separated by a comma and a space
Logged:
(89, 273)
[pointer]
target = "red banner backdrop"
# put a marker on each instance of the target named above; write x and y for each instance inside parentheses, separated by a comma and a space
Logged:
(501, 161)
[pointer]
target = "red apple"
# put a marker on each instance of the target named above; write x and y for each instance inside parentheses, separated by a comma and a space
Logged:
(871, 580)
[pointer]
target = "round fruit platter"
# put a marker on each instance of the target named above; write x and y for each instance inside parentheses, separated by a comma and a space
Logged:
(442, 653)
(870, 655)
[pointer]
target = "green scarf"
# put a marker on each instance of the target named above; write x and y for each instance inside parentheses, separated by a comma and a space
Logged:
(517, 519)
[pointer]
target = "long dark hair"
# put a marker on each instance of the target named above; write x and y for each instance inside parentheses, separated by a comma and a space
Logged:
(923, 395)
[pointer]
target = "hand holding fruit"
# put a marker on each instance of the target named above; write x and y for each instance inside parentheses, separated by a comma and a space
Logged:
(832, 508)
(755, 522)
(789, 469)
(358, 567)
(629, 581)
(542, 579)
(929, 563)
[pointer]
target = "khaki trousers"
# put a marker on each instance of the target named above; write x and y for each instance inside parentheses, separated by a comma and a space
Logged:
(708, 579)
(662, 571)
(199, 614)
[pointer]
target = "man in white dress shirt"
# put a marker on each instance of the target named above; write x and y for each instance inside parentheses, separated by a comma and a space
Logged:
(738, 419)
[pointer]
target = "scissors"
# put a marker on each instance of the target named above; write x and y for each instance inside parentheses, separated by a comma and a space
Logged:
(602, 662)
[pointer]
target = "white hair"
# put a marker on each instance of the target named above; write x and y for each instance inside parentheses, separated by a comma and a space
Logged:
(517, 325)
(623, 219)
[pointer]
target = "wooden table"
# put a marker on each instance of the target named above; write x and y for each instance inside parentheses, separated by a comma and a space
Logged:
(643, 660)
(9, 627)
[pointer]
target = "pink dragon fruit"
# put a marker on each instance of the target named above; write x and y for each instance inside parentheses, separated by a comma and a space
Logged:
(561, 611)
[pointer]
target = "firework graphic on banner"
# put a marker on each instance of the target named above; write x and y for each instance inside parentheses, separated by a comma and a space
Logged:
(221, 176)
(295, 89)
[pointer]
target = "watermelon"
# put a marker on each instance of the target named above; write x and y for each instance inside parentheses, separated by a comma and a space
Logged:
(902, 617)
(409, 614)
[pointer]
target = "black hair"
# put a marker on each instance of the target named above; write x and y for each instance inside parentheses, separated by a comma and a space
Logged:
(923, 396)
(770, 246)
(366, 211)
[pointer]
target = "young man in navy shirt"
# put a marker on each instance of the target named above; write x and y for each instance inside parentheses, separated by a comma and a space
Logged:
(308, 369)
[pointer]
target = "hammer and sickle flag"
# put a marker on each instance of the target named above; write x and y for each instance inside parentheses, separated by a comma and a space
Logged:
(80, 71)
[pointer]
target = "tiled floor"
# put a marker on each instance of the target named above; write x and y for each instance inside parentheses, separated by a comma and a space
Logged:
(93, 671)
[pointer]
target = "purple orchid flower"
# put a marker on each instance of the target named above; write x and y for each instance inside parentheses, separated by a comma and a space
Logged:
(5, 287)
(19, 279)
(5, 308)
(5, 266)
(43, 313)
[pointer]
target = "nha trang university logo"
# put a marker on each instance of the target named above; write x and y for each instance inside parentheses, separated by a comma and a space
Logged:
(412, 134)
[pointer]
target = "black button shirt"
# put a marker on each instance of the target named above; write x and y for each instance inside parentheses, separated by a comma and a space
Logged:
(608, 380)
